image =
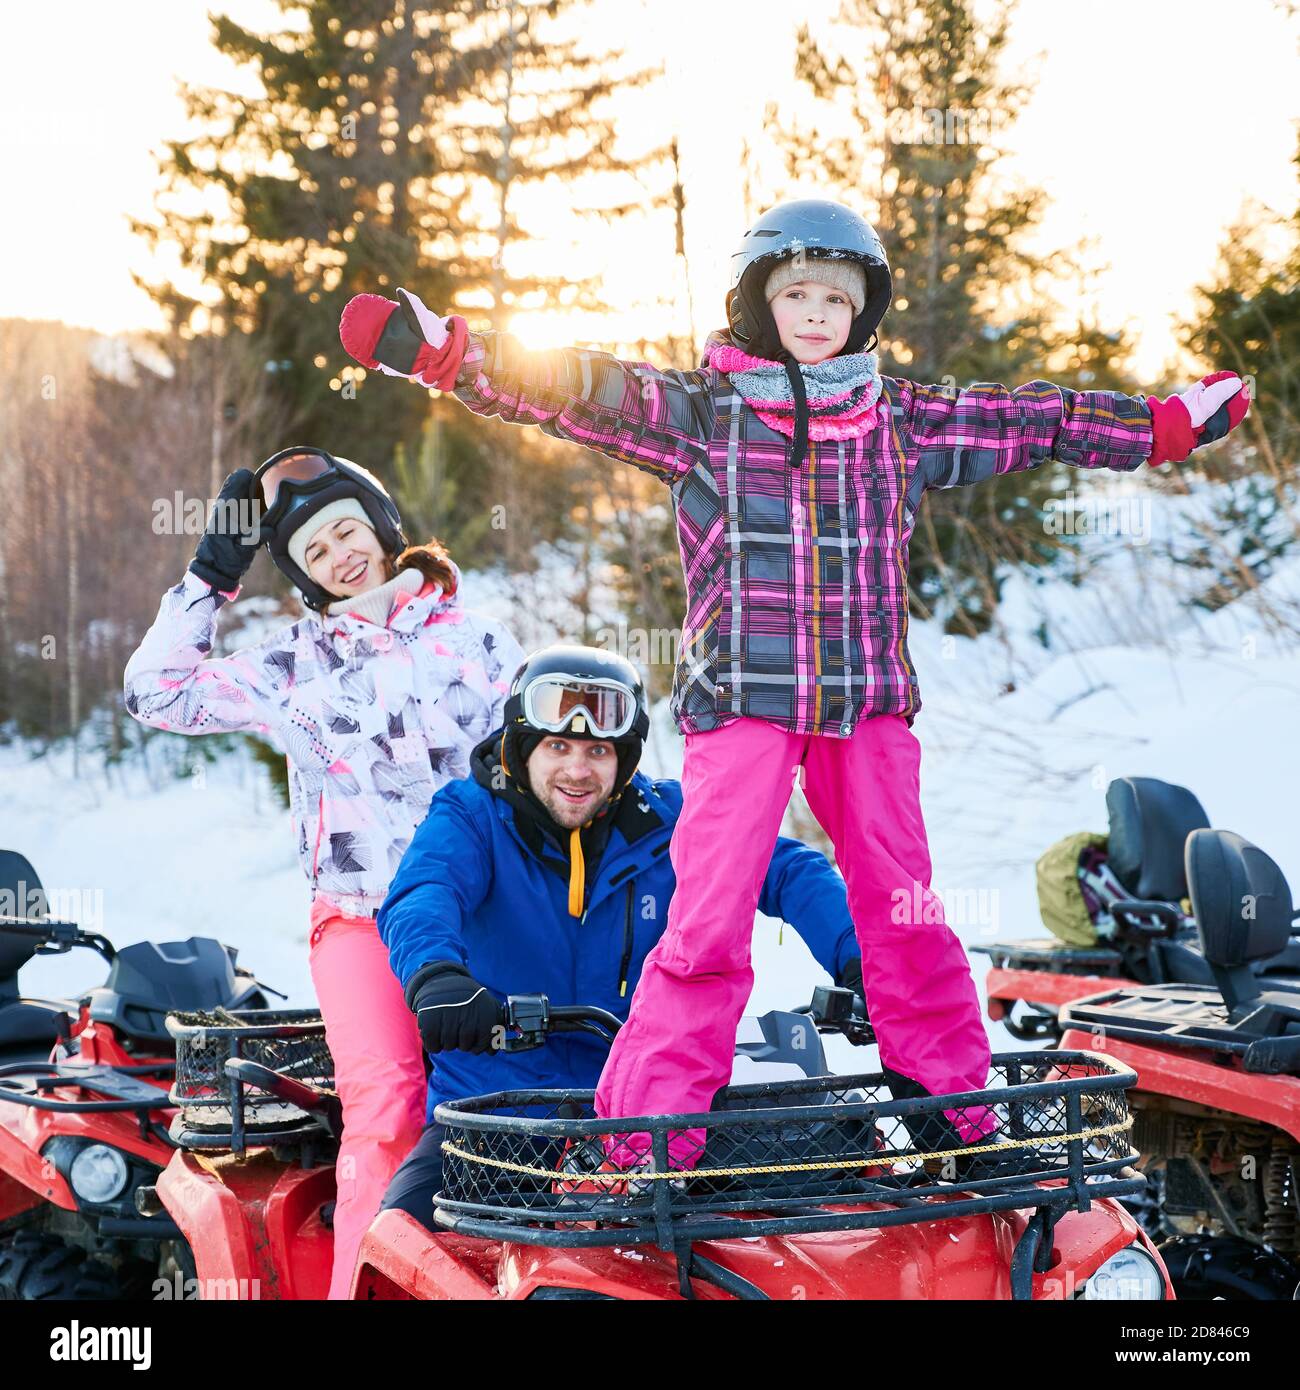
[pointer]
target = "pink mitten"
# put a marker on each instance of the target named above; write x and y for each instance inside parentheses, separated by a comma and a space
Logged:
(1200, 415)
(403, 338)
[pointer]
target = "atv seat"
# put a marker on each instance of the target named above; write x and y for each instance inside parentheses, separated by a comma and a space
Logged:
(1287, 961)
(1242, 905)
(24, 1022)
(22, 904)
(1180, 961)
(1149, 825)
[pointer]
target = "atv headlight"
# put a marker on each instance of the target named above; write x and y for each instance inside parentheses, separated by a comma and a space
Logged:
(98, 1174)
(1130, 1275)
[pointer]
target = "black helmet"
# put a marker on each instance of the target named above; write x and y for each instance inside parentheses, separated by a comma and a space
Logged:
(580, 692)
(296, 483)
(815, 227)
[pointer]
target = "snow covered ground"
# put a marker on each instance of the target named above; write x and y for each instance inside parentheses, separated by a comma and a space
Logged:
(1131, 681)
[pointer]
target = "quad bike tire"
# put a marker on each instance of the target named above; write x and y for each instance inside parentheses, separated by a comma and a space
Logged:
(35, 1266)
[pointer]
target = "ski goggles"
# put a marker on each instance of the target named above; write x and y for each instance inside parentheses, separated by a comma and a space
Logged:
(551, 702)
(299, 467)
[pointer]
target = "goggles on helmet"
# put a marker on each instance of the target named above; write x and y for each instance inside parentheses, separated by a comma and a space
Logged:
(552, 701)
(288, 477)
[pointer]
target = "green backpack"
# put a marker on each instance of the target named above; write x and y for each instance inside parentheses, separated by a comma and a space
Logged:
(1060, 899)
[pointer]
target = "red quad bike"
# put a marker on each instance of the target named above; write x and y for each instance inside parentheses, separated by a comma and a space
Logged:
(84, 1105)
(810, 1186)
(1135, 891)
(1217, 1104)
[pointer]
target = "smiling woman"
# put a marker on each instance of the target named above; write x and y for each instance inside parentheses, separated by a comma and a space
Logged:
(343, 555)
(377, 698)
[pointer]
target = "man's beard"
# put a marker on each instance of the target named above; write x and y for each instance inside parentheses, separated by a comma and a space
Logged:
(565, 814)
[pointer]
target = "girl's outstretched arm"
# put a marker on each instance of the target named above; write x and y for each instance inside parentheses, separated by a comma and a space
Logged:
(652, 418)
(963, 437)
(656, 419)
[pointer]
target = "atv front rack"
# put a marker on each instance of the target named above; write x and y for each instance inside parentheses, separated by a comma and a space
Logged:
(77, 1089)
(828, 1153)
(223, 1060)
(1049, 954)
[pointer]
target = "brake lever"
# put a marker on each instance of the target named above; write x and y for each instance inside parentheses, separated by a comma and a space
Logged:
(529, 1015)
(53, 936)
(834, 1009)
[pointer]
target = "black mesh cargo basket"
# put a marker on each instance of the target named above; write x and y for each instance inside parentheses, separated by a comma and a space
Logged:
(789, 1157)
(215, 1111)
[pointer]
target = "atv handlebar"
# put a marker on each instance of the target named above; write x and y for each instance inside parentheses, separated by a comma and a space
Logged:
(55, 937)
(533, 1018)
(834, 1009)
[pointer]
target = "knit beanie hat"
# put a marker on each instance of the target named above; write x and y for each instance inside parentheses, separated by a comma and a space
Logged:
(301, 538)
(844, 275)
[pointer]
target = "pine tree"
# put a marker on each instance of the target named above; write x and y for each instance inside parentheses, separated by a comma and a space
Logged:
(386, 147)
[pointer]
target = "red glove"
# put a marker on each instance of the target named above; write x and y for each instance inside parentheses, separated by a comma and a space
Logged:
(1197, 416)
(403, 338)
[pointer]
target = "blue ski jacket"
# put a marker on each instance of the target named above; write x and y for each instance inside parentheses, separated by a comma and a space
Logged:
(476, 889)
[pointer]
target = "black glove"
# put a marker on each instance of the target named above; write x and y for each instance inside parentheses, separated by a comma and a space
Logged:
(851, 977)
(226, 551)
(454, 1012)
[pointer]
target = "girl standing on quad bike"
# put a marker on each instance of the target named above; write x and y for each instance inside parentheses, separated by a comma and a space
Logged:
(377, 698)
(796, 471)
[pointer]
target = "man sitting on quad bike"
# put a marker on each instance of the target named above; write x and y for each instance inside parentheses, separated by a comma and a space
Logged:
(547, 872)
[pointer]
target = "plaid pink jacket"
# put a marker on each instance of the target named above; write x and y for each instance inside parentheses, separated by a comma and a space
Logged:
(796, 579)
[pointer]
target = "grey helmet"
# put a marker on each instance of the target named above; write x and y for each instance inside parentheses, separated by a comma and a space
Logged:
(815, 227)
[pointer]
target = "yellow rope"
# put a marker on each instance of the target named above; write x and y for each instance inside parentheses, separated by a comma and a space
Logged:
(643, 1175)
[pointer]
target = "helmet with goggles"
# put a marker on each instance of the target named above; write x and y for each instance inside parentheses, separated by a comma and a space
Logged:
(579, 693)
(296, 486)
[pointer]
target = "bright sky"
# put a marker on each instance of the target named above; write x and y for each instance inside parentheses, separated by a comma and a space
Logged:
(1151, 124)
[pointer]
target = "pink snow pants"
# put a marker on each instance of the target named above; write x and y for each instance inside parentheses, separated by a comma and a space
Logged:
(676, 1048)
(378, 1070)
